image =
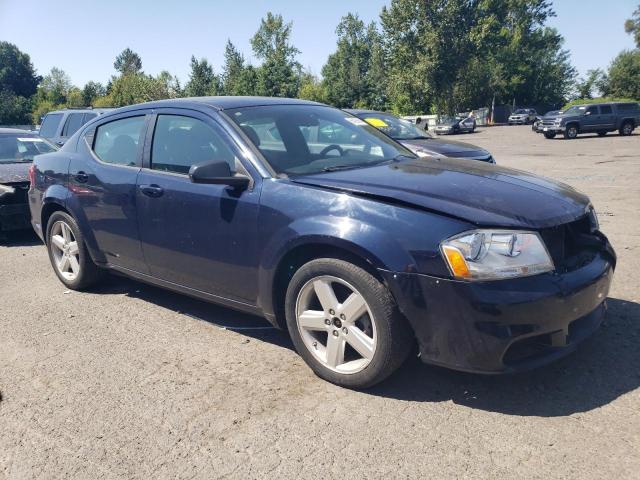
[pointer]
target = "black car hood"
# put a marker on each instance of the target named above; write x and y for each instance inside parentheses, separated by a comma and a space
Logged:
(14, 172)
(477, 192)
(444, 147)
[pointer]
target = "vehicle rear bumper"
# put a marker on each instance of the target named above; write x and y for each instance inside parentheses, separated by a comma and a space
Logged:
(503, 326)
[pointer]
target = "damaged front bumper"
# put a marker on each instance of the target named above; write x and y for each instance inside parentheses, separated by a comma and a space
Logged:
(503, 326)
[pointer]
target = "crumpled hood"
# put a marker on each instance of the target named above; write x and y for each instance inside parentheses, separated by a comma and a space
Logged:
(477, 192)
(14, 172)
(448, 148)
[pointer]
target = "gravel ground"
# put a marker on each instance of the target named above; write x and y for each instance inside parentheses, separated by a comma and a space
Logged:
(131, 381)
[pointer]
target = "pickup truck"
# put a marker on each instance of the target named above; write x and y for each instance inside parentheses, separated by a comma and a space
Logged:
(599, 118)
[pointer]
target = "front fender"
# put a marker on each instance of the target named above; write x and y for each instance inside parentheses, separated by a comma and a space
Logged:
(370, 243)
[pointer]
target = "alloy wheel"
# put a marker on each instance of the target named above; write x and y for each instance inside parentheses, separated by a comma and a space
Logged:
(336, 324)
(572, 132)
(64, 249)
(627, 129)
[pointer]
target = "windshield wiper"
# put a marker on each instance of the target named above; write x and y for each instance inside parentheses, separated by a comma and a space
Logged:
(335, 168)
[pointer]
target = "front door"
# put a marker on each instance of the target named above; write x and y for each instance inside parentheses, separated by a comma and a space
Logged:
(591, 119)
(196, 235)
(103, 181)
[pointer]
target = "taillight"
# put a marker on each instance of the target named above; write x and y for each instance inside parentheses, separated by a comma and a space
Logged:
(32, 175)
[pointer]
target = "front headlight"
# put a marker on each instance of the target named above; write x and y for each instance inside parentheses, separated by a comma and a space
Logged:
(496, 255)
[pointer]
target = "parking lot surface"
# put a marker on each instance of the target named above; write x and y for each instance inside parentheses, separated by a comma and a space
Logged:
(130, 381)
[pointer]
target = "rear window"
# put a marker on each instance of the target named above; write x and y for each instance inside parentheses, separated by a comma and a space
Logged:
(606, 109)
(22, 148)
(50, 125)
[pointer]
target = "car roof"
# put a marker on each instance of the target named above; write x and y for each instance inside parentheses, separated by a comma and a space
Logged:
(82, 110)
(219, 103)
(16, 131)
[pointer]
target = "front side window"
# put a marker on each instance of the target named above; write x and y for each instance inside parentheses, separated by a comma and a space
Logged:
(74, 122)
(180, 142)
(593, 110)
(50, 125)
(117, 142)
(307, 139)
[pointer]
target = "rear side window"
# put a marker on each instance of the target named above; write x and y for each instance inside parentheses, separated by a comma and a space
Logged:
(628, 107)
(88, 116)
(50, 125)
(117, 142)
(74, 122)
(606, 109)
(180, 142)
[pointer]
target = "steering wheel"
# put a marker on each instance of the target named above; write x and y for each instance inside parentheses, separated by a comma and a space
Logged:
(328, 148)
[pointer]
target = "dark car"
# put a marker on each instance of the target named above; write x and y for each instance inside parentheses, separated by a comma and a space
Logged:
(17, 149)
(537, 127)
(451, 125)
(316, 220)
(59, 125)
(593, 118)
(418, 141)
(522, 116)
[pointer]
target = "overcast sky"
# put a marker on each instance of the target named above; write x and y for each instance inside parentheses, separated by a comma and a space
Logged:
(83, 37)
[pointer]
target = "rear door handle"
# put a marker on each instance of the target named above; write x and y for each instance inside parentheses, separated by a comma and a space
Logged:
(153, 191)
(81, 177)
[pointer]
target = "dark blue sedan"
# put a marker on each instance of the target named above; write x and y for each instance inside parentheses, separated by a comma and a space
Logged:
(314, 219)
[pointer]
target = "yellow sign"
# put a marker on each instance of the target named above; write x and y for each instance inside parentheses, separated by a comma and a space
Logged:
(376, 122)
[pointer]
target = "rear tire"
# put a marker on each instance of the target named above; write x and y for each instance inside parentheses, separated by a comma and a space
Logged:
(571, 132)
(626, 129)
(372, 340)
(68, 253)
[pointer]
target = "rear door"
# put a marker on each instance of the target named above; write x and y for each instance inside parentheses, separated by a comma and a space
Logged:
(102, 181)
(607, 117)
(198, 236)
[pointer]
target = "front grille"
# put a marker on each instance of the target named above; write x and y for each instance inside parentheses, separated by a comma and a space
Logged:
(571, 245)
(548, 123)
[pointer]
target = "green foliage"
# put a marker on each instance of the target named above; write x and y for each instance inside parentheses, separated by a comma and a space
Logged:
(624, 75)
(596, 80)
(586, 101)
(632, 26)
(354, 74)
(91, 92)
(17, 74)
(41, 108)
(140, 87)
(311, 88)
(202, 80)
(128, 62)
(14, 109)
(279, 74)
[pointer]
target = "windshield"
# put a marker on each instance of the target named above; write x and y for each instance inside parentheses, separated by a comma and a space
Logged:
(521, 112)
(575, 110)
(307, 139)
(18, 148)
(396, 128)
(448, 119)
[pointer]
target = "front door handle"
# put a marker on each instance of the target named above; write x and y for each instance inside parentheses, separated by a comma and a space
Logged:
(81, 177)
(153, 191)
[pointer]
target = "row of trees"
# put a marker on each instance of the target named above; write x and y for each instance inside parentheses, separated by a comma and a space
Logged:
(422, 56)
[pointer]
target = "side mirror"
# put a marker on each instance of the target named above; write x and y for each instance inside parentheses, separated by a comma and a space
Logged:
(217, 172)
(587, 113)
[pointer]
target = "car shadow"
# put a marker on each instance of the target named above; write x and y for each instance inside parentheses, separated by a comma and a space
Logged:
(19, 238)
(605, 367)
(248, 325)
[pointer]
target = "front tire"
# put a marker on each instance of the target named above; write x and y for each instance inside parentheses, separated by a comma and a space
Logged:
(68, 253)
(602, 133)
(345, 324)
(571, 132)
(549, 135)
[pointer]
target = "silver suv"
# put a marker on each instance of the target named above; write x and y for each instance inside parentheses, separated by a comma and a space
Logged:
(59, 125)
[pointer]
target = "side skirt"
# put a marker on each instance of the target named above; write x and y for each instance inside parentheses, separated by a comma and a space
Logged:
(208, 297)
